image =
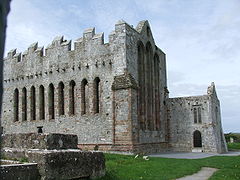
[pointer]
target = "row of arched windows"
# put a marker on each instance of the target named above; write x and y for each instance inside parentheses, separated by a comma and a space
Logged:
(51, 100)
(149, 87)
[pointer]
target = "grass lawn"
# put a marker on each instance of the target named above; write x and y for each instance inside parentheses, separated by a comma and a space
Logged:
(233, 146)
(124, 167)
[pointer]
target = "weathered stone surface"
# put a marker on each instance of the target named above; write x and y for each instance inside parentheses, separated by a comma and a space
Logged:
(27, 171)
(124, 81)
(62, 164)
(113, 95)
(183, 125)
(39, 141)
(52, 153)
(68, 164)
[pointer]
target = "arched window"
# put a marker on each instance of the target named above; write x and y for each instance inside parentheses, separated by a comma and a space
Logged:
(61, 98)
(24, 104)
(72, 97)
(149, 95)
(197, 139)
(96, 95)
(199, 115)
(156, 81)
(141, 91)
(16, 105)
(195, 115)
(51, 101)
(41, 103)
(33, 103)
(84, 95)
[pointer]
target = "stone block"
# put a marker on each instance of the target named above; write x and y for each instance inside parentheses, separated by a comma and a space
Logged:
(40, 141)
(27, 171)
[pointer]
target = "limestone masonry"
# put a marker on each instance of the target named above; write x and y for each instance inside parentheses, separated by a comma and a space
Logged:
(113, 95)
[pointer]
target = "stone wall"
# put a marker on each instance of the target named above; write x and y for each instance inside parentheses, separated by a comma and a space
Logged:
(113, 95)
(43, 87)
(183, 124)
(36, 67)
(39, 141)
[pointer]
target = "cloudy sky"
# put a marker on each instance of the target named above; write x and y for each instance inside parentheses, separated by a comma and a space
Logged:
(201, 38)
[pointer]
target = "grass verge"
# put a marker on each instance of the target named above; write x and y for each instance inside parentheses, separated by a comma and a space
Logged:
(124, 167)
(233, 146)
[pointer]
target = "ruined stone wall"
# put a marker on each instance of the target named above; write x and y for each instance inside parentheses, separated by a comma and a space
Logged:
(112, 95)
(183, 124)
(54, 89)
(90, 58)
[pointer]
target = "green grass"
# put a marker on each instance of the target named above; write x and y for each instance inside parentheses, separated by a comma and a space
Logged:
(233, 146)
(123, 167)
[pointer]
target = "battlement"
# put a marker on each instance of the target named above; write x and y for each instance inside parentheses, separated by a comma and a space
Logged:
(59, 44)
(87, 51)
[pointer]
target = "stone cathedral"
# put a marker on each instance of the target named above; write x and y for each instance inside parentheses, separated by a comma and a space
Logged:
(113, 95)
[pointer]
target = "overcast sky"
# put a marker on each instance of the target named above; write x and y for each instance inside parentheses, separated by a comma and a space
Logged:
(201, 38)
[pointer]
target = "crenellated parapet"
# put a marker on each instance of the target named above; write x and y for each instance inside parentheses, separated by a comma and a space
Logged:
(86, 51)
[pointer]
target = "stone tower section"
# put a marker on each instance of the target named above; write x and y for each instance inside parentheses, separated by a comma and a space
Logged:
(146, 72)
(110, 94)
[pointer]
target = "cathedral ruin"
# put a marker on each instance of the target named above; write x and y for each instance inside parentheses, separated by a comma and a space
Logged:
(113, 95)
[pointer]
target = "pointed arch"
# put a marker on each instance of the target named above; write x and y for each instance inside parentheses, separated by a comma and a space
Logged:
(149, 86)
(51, 110)
(24, 104)
(156, 78)
(197, 139)
(61, 99)
(72, 85)
(84, 99)
(33, 103)
(41, 103)
(16, 105)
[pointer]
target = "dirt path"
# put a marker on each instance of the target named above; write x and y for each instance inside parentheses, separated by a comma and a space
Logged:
(203, 174)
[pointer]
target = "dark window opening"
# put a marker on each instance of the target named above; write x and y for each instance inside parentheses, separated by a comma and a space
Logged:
(16, 105)
(33, 103)
(96, 95)
(61, 99)
(24, 104)
(72, 98)
(84, 96)
(51, 101)
(41, 103)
